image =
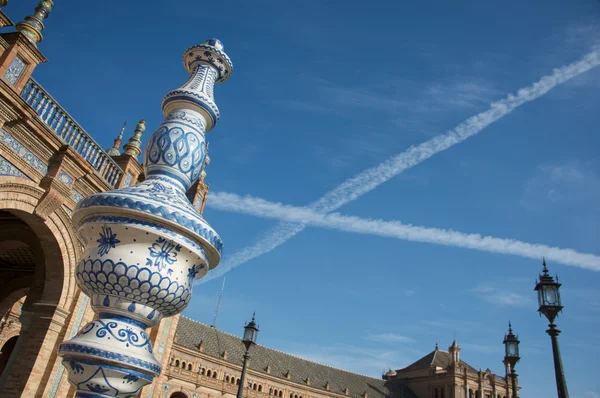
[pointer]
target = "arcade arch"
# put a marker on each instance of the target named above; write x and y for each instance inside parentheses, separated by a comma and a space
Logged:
(38, 250)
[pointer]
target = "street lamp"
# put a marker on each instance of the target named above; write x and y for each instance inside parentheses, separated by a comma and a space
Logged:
(250, 333)
(550, 306)
(511, 356)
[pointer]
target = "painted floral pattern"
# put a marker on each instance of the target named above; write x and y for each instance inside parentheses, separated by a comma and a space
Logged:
(107, 241)
(163, 252)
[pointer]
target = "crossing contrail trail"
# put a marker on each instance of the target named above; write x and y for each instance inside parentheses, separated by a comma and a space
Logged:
(396, 229)
(371, 178)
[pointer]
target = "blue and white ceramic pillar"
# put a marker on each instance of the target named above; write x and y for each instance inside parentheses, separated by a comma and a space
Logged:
(145, 245)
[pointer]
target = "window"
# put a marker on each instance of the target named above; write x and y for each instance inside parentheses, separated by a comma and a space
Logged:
(260, 388)
(190, 367)
(209, 373)
(281, 394)
(227, 378)
(436, 394)
(214, 376)
(442, 393)
(177, 362)
(183, 364)
(237, 382)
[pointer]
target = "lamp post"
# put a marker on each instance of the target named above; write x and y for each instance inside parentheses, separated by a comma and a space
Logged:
(250, 332)
(511, 346)
(550, 306)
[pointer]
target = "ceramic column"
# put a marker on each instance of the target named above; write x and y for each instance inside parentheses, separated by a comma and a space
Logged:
(145, 245)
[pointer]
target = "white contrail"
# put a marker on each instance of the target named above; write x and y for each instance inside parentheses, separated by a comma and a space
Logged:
(373, 177)
(396, 229)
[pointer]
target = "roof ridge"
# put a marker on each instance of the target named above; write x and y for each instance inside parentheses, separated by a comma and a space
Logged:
(281, 352)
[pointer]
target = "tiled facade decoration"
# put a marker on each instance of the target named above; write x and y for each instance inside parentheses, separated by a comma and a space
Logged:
(127, 180)
(9, 169)
(23, 152)
(14, 70)
(65, 178)
(76, 196)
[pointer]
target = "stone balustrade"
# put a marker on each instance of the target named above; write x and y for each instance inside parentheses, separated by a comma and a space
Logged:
(70, 132)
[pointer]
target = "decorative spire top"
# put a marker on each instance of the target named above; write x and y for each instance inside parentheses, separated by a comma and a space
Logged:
(114, 151)
(152, 220)
(133, 147)
(544, 264)
(436, 346)
(179, 154)
(509, 327)
(33, 25)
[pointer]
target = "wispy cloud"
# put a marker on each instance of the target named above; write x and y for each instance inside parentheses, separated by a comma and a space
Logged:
(410, 292)
(364, 360)
(389, 338)
(395, 229)
(561, 185)
(371, 178)
(502, 297)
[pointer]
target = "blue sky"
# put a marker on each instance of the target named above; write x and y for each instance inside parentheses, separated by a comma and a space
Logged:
(324, 90)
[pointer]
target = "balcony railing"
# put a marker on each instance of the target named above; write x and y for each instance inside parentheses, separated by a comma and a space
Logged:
(70, 132)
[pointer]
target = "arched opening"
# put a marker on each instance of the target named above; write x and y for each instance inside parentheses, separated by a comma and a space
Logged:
(37, 259)
(209, 373)
(7, 350)
(179, 394)
(471, 395)
(280, 393)
(177, 362)
(259, 388)
(237, 382)
(214, 376)
(189, 367)
(436, 393)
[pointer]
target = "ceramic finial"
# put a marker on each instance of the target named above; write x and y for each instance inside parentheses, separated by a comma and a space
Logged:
(134, 145)
(192, 105)
(33, 25)
(114, 151)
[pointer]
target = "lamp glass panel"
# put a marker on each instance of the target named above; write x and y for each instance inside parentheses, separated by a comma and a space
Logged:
(540, 293)
(250, 334)
(550, 296)
(512, 349)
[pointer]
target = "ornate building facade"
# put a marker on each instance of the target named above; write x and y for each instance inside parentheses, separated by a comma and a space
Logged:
(48, 165)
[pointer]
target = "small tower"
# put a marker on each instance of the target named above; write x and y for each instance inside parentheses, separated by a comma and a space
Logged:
(114, 151)
(134, 145)
(454, 351)
(33, 25)
(19, 54)
(4, 19)
(128, 160)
